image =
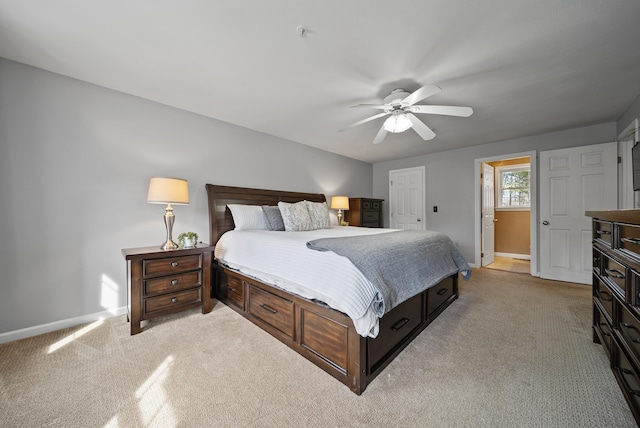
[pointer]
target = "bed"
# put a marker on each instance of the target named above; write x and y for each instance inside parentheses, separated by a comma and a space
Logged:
(324, 335)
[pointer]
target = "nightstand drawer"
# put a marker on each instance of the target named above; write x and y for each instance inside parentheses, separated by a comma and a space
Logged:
(369, 216)
(630, 241)
(630, 329)
(172, 301)
(171, 265)
(604, 296)
(603, 329)
(603, 232)
(615, 274)
(272, 309)
(173, 282)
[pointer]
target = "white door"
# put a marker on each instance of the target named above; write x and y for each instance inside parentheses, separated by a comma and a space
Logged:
(406, 194)
(488, 214)
(573, 181)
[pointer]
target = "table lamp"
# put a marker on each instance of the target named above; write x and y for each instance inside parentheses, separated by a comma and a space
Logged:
(168, 191)
(339, 203)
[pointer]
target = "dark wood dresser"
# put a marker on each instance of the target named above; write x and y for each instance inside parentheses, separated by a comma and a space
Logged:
(163, 282)
(364, 212)
(616, 296)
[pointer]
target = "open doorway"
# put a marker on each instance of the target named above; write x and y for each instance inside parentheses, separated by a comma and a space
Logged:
(506, 233)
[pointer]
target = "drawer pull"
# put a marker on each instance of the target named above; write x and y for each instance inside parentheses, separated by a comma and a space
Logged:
(268, 309)
(174, 282)
(233, 290)
(603, 232)
(624, 380)
(630, 327)
(397, 326)
(634, 241)
(600, 293)
(442, 291)
(174, 264)
(174, 300)
(614, 273)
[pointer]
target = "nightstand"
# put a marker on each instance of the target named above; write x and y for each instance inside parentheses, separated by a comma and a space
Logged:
(164, 282)
(365, 212)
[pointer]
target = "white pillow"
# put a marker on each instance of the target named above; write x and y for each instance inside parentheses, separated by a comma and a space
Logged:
(248, 217)
(319, 213)
(295, 217)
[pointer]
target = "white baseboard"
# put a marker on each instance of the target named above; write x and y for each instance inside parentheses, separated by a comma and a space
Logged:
(514, 256)
(59, 325)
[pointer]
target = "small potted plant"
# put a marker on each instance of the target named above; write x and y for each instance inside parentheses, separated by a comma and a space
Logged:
(188, 239)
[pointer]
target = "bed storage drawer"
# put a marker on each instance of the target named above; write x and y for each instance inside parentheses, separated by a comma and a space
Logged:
(173, 301)
(171, 265)
(173, 282)
(272, 309)
(231, 289)
(394, 327)
(438, 295)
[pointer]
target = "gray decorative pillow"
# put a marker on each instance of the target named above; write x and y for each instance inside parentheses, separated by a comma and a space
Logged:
(319, 213)
(295, 217)
(274, 218)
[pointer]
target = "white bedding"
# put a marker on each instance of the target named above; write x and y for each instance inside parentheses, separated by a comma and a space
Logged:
(324, 276)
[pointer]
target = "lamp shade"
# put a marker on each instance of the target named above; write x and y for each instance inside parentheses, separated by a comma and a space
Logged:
(339, 203)
(397, 122)
(164, 190)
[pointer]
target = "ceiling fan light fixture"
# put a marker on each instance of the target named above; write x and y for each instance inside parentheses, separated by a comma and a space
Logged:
(397, 122)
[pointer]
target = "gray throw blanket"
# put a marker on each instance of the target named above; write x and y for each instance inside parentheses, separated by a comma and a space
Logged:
(399, 264)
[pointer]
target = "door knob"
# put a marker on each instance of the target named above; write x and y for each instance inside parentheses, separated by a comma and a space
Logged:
(546, 223)
(419, 220)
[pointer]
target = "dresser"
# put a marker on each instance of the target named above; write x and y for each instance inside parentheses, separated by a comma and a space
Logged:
(616, 296)
(164, 282)
(364, 212)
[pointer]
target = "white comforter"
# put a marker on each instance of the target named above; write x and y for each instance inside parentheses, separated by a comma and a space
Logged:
(283, 259)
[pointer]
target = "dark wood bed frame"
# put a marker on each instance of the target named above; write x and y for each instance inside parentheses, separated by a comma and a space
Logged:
(323, 335)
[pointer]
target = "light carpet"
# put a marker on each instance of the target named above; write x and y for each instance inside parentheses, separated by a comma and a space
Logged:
(512, 351)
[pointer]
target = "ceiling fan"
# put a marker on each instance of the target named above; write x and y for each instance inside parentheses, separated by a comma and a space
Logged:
(401, 106)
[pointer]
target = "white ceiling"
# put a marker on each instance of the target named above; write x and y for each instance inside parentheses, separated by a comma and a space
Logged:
(525, 67)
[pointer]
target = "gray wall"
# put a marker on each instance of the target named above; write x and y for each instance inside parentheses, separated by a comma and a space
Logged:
(450, 178)
(75, 163)
(632, 113)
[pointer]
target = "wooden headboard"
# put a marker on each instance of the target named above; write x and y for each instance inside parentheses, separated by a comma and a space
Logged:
(220, 219)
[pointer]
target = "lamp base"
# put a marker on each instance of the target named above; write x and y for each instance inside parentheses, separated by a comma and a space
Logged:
(169, 245)
(169, 218)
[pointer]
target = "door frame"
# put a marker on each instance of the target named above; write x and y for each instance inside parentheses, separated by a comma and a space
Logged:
(423, 171)
(533, 213)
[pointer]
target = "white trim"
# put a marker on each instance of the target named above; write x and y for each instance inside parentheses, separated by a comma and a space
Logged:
(514, 256)
(59, 325)
(533, 226)
(498, 188)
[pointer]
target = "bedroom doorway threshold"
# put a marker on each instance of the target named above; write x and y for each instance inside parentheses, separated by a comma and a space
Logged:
(509, 264)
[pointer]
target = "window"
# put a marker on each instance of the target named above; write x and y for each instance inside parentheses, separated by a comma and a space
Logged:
(512, 187)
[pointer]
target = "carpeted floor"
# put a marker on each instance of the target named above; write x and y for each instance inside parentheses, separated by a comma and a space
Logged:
(513, 351)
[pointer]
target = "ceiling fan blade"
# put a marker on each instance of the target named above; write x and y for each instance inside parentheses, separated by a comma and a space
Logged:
(380, 135)
(378, 106)
(423, 130)
(360, 122)
(421, 94)
(444, 110)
